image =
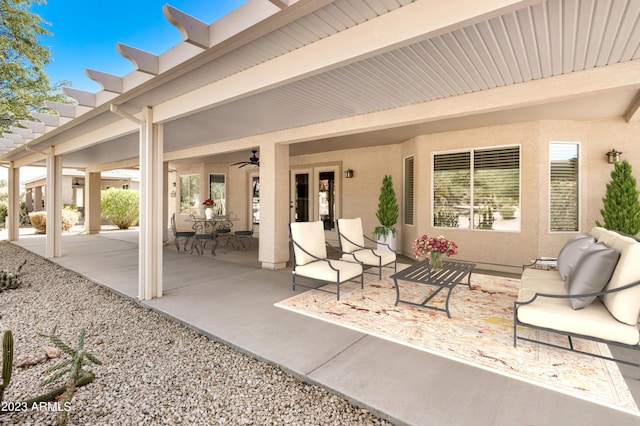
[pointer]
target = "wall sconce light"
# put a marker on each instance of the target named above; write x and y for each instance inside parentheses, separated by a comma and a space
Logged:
(348, 173)
(613, 156)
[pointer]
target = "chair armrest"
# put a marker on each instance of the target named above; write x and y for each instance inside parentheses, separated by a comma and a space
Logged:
(539, 260)
(382, 244)
(569, 296)
(316, 257)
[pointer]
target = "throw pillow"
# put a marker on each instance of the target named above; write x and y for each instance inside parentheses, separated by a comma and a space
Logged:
(591, 273)
(571, 252)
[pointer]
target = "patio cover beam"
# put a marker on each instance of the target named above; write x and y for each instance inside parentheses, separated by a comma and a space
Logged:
(420, 20)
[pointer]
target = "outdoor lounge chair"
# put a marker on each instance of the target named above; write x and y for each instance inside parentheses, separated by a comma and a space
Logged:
(187, 235)
(309, 259)
(352, 240)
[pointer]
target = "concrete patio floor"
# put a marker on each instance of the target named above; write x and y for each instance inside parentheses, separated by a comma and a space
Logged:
(230, 299)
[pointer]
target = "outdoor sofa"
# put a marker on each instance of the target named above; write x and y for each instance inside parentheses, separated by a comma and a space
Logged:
(593, 294)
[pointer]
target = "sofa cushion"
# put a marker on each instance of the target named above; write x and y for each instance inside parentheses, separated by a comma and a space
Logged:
(591, 273)
(623, 305)
(571, 252)
(545, 282)
(557, 314)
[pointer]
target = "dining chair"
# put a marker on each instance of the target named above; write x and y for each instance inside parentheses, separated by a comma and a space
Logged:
(204, 233)
(244, 235)
(187, 235)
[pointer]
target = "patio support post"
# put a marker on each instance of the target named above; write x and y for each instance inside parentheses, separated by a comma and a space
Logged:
(37, 199)
(53, 204)
(151, 207)
(165, 201)
(274, 206)
(92, 202)
(12, 222)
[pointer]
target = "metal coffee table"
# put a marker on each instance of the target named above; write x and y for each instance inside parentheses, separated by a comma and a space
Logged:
(451, 274)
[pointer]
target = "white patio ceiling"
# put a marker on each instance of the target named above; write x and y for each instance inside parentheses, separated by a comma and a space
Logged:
(525, 41)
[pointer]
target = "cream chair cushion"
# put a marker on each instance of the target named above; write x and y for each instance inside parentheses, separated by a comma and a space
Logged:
(352, 230)
(320, 270)
(310, 236)
(370, 257)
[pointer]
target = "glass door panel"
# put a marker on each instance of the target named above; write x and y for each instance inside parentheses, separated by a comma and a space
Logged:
(326, 199)
(301, 201)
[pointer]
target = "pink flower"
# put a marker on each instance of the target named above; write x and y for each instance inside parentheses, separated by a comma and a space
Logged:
(423, 246)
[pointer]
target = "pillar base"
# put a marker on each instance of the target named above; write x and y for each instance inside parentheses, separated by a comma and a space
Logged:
(274, 266)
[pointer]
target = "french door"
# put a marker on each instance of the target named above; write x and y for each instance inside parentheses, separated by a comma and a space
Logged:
(315, 195)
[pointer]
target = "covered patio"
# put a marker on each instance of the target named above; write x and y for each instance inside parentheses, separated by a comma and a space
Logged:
(233, 303)
(318, 88)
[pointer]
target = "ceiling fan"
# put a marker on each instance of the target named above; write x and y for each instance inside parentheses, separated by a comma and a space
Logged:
(253, 160)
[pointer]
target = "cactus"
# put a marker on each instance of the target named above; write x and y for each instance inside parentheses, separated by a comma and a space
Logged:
(10, 281)
(77, 376)
(7, 360)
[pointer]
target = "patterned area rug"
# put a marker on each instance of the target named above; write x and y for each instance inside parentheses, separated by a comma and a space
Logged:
(480, 333)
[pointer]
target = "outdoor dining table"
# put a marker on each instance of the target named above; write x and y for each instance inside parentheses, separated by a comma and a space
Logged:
(203, 225)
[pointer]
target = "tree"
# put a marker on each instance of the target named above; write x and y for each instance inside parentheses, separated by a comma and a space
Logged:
(24, 85)
(621, 210)
(387, 213)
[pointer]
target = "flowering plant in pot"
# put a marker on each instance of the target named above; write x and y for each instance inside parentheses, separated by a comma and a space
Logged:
(387, 215)
(208, 208)
(433, 248)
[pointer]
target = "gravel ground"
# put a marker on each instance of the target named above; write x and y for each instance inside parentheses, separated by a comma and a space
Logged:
(154, 372)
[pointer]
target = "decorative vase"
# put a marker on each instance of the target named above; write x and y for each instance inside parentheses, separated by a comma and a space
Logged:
(435, 260)
(208, 213)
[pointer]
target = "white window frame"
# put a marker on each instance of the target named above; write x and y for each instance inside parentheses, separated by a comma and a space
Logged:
(409, 221)
(471, 152)
(194, 202)
(579, 181)
(221, 205)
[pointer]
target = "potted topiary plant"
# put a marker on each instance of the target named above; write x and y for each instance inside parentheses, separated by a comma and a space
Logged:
(621, 211)
(387, 215)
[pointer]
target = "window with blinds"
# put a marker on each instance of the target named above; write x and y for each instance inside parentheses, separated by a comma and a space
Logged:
(563, 187)
(408, 191)
(477, 189)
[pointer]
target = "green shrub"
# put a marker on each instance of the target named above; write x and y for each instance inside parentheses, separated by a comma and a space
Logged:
(120, 207)
(3, 211)
(39, 220)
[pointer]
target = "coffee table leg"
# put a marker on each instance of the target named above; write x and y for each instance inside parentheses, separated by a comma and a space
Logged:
(397, 291)
(446, 304)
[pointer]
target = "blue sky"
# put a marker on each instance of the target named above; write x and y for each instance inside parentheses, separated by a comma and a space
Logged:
(85, 34)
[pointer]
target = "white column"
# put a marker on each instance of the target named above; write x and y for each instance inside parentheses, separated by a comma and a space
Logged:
(165, 201)
(92, 202)
(274, 206)
(12, 222)
(151, 208)
(37, 202)
(53, 204)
